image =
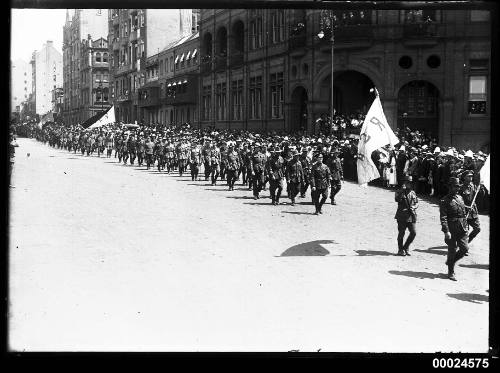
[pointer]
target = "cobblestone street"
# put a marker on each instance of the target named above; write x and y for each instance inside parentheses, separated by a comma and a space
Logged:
(107, 257)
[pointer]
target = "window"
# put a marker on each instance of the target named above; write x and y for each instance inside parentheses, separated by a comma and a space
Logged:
(418, 16)
(171, 63)
(206, 103)
(479, 15)
(220, 97)
(237, 99)
(255, 98)
(277, 95)
(477, 95)
(105, 57)
(256, 33)
(278, 26)
(98, 57)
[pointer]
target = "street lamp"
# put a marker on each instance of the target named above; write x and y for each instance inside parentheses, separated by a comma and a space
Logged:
(329, 22)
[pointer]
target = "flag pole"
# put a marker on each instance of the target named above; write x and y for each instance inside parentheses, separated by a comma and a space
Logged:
(473, 200)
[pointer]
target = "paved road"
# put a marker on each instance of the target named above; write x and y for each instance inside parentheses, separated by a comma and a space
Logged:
(116, 258)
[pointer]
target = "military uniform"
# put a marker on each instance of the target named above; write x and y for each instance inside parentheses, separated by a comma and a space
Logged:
(468, 191)
(306, 167)
(131, 145)
(294, 177)
(170, 156)
(232, 167)
(206, 154)
(141, 151)
(453, 213)
(158, 152)
(194, 162)
(275, 172)
(320, 181)
(214, 164)
(406, 217)
(258, 164)
(150, 145)
(335, 166)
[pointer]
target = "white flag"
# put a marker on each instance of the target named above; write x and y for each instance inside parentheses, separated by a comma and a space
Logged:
(107, 118)
(374, 134)
(485, 174)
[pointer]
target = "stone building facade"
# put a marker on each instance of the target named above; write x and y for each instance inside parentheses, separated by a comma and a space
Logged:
(268, 70)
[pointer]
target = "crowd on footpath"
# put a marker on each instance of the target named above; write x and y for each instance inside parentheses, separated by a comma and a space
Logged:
(416, 166)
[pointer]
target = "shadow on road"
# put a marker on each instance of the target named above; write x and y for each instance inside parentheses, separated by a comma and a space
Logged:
(238, 197)
(297, 213)
(312, 248)
(258, 203)
(469, 297)
(476, 266)
(438, 250)
(373, 253)
(421, 275)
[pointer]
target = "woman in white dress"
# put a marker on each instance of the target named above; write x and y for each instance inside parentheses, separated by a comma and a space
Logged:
(393, 181)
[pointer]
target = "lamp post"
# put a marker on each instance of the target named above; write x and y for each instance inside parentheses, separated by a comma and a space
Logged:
(329, 22)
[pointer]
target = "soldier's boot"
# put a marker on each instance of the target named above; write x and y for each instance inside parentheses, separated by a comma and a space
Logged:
(473, 234)
(459, 255)
(293, 202)
(451, 272)
(333, 201)
(278, 195)
(401, 251)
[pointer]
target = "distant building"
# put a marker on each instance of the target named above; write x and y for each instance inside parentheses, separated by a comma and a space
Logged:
(20, 83)
(134, 36)
(86, 59)
(431, 68)
(46, 76)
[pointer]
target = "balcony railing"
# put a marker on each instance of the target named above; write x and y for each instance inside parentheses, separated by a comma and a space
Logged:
(236, 59)
(420, 34)
(116, 44)
(123, 97)
(116, 19)
(220, 63)
(188, 97)
(351, 36)
(297, 42)
(122, 69)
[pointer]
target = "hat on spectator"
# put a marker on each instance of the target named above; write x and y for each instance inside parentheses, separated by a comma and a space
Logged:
(480, 158)
(454, 181)
(449, 152)
(408, 178)
(319, 140)
(437, 150)
(469, 154)
(347, 142)
(424, 147)
(402, 148)
(460, 156)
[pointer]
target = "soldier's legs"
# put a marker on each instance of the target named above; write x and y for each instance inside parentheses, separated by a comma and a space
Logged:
(474, 224)
(294, 190)
(249, 179)
(303, 189)
(132, 158)
(315, 197)
(273, 186)
(192, 171)
(336, 186)
(243, 171)
(401, 235)
(214, 174)
(412, 228)
(256, 184)
(324, 196)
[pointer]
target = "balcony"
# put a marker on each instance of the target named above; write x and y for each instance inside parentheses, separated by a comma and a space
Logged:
(123, 97)
(135, 34)
(297, 45)
(220, 63)
(122, 69)
(188, 94)
(206, 67)
(420, 34)
(116, 44)
(236, 59)
(149, 96)
(349, 37)
(116, 19)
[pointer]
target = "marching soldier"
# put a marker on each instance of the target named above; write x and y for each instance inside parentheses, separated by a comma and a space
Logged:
(132, 148)
(150, 145)
(275, 171)
(453, 212)
(335, 166)
(141, 150)
(258, 163)
(206, 153)
(109, 144)
(214, 163)
(294, 176)
(247, 160)
(232, 166)
(169, 154)
(194, 161)
(320, 181)
(306, 163)
(158, 152)
(406, 215)
(468, 191)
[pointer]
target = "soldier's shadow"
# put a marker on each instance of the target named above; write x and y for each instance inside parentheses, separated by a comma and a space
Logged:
(438, 250)
(420, 275)
(469, 297)
(311, 248)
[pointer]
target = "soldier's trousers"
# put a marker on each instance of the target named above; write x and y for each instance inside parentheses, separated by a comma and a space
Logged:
(195, 169)
(323, 193)
(214, 172)
(257, 182)
(231, 178)
(303, 188)
(83, 150)
(412, 228)
(458, 239)
(222, 171)
(243, 172)
(161, 162)
(109, 153)
(249, 178)
(275, 189)
(149, 160)
(293, 189)
(474, 224)
(206, 166)
(182, 166)
(140, 158)
(125, 158)
(132, 157)
(336, 186)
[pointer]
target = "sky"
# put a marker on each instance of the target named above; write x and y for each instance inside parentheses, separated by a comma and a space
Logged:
(31, 28)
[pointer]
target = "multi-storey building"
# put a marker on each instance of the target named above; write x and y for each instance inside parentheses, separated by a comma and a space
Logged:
(270, 69)
(171, 90)
(79, 30)
(20, 83)
(46, 76)
(135, 35)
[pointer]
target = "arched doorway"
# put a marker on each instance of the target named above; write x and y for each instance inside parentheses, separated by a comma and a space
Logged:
(418, 107)
(351, 92)
(298, 110)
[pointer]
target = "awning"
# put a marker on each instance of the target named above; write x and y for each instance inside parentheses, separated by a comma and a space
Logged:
(185, 81)
(169, 85)
(174, 83)
(182, 57)
(179, 82)
(189, 54)
(194, 54)
(176, 59)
